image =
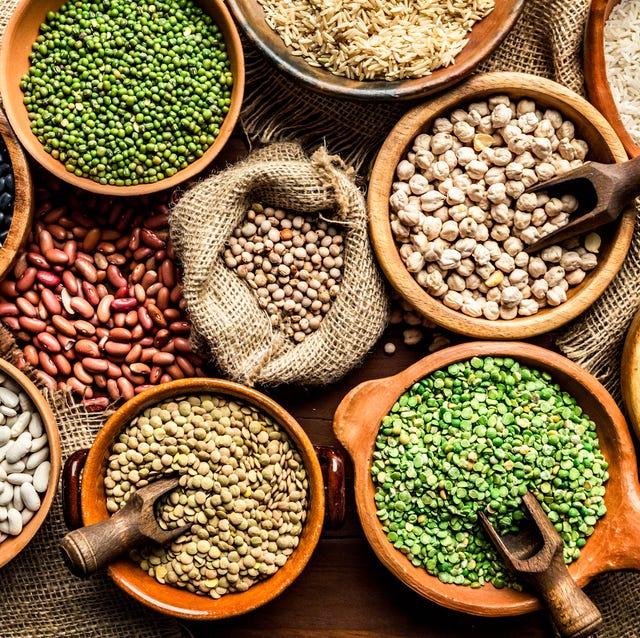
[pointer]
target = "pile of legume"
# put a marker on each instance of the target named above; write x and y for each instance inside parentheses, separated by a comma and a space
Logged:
(7, 191)
(477, 436)
(96, 298)
(24, 458)
(294, 266)
(243, 488)
(126, 92)
(462, 218)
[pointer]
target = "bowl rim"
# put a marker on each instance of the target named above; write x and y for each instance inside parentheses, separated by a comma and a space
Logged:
(595, 71)
(12, 546)
(179, 602)
(16, 113)
(322, 80)
(385, 247)
(356, 424)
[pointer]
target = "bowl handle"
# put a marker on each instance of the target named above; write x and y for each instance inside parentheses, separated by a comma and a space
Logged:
(332, 466)
(358, 414)
(71, 488)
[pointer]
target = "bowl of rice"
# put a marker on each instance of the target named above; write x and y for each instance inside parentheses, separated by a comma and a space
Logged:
(376, 50)
(612, 66)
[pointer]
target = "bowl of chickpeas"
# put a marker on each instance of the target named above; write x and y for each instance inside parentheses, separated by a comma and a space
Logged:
(451, 218)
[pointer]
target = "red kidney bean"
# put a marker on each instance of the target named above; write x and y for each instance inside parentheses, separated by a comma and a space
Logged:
(80, 388)
(62, 363)
(151, 239)
(100, 381)
(112, 389)
(106, 248)
(134, 240)
(117, 259)
(131, 319)
(47, 364)
(91, 240)
(180, 327)
(56, 256)
(50, 301)
(119, 319)
(27, 279)
(120, 334)
(81, 373)
(84, 328)
(134, 354)
(126, 388)
(140, 368)
(94, 365)
(87, 348)
(45, 241)
(32, 325)
(163, 298)
(58, 231)
(155, 374)
(86, 270)
(90, 293)
(149, 278)
(113, 371)
(142, 253)
(176, 294)
(70, 248)
(8, 288)
(67, 344)
(37, 260)
(46, 380)
(116, 349)
(145, 319)
(96, 404)
(63, 325)
(163, 359)
(26, 307)
(168, 273)
(48, 342)
(124, 304)
(101, 261)
(134, 378)
(156, 315)
(186, 366)
(122, 292)
(137, 332)
(103, 311)
(12, 323)
(171, 315)
(139, 293)
(167, 378)
(82, 307)
(47, 278)
(156, 221)
(161, 338)
(182, 345)
(30, 354)
(8, 309)
(70, 282)
(115, 276)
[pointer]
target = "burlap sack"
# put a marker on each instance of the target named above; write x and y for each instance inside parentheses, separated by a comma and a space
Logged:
(224, 310)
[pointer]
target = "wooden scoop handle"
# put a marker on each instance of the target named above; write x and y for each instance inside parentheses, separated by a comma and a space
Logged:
(571, 609)
(88, 549)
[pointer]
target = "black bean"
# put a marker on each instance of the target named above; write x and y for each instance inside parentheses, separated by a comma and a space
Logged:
(5, 169)
(6, 202)
(8, 182)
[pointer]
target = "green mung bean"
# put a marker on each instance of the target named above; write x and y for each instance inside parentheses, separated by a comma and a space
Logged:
(127, 93)
(476, 436)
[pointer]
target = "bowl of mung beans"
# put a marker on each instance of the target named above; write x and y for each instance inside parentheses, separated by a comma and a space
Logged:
(122, 98)
(473, 427)
(251, 488)
(31, 460)
(376, 50)
(451, 218)
(16, 196)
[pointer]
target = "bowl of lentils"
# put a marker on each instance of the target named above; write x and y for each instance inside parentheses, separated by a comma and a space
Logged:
(251, 490)
(472, 428)
(122, 98)
(451, 219)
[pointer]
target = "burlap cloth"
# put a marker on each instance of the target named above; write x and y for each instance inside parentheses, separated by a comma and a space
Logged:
(39, 598)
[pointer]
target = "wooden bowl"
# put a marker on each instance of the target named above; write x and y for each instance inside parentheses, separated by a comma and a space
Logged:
(21, 32)
(630, 373)
(13, 545)
(484, 38)
(615, 543)
(22, 200)
(179, 602)
(604, 147)
(595, 71)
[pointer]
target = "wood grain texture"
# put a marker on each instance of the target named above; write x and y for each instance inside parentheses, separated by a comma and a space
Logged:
(23, 198)
(615, 543)
(604, 147)
(630, 373)
(13, 545)
(595, 71)
(179, 602)
(484, 38)
(21, 32)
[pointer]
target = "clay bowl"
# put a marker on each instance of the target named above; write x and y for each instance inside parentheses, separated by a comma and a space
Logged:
(179, 602)
(22, 201)
(615, 543)
(13, 545)
(604, 147)
(484, 38)
(21, 32)
(595, 71)
(630, 373)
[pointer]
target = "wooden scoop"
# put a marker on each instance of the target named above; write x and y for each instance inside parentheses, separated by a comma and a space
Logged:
(602, 190)
(536, 554)
(88, 549)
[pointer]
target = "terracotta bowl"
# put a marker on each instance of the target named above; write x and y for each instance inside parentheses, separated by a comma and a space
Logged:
(630, 373)
(21, 32)
(604, 147)
(595, 71)
(615, 543)
(13, 545)
(23, 199)
(484, 38)
(179, 602)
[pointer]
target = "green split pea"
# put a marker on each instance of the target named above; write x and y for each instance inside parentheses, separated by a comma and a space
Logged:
(476, 436)
(127, 93)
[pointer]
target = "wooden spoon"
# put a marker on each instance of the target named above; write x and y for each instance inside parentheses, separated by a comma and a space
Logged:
(615, 543)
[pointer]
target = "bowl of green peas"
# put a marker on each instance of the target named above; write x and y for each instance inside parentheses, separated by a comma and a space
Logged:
(122, 98)
(473, 428)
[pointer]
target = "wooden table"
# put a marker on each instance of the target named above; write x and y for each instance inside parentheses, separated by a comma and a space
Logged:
(345, 591)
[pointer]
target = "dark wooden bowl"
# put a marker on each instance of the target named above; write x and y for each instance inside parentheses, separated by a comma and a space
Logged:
(595, 71)
(22, 201)
(604, 147)
(484, 38)
(180, 602)
(21, 32)
(615, 543)
(12, 546)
